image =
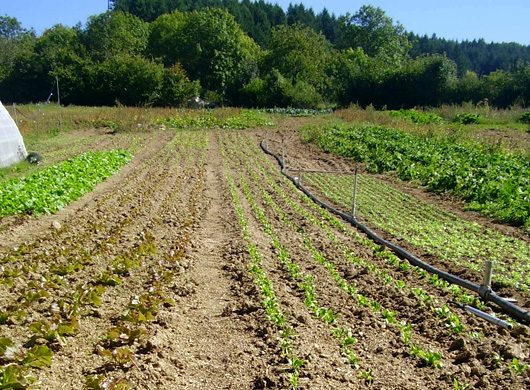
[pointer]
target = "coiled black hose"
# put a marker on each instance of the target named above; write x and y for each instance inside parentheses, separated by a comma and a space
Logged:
(484, 292)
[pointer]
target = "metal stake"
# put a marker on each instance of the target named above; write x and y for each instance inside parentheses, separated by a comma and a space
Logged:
(488, 272)
(58, 94)
(354, 206)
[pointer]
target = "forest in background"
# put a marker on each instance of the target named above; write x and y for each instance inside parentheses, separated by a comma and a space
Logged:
(255, 54)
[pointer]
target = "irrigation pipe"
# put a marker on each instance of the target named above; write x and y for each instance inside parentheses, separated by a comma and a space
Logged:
(488, 317)
(485, 292)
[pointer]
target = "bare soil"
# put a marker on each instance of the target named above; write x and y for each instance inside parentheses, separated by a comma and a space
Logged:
(171, 210)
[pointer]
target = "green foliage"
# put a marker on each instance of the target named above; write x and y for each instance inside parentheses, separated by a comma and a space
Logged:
(54, 187)
(466, 118)
(176, 88)
(209, 44)
(376, 33)
(431, 229)
(60, 53)
(297, 112)
(115, 33)
(518, 367)
(277, 90)
(300, 55)
(419, 117)
(15, 378)
(129, 80)
(307, 61)
(208, 119)
(424, 81)
(100, 382)
(14, 44)
(493, 182)
(525, 118)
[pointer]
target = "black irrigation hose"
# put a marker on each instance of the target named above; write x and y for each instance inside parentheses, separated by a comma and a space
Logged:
(485, 293)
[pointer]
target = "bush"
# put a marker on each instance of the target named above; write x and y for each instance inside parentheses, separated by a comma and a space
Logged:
(525, 118)
(275, 90)
(466, 118)
(129, 80)
(423, 118)
(176, 87)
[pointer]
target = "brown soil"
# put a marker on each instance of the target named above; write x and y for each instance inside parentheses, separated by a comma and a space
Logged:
(171, 210)
(300, 155)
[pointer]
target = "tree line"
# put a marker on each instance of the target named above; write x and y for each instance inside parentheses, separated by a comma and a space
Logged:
(163, 52)
(258, 18)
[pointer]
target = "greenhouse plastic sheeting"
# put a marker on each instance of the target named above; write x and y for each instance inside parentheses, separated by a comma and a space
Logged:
(12, 149)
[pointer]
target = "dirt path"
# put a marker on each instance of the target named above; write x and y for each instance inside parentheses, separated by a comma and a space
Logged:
(216, 349)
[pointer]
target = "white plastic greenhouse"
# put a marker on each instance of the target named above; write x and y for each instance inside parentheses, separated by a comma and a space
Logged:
(12, 149)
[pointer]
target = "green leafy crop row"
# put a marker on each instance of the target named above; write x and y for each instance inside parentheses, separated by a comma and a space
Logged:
(494, 182)
(52, 188)
(434, 230)
(297, 112)
(417, 116)
(207, 119)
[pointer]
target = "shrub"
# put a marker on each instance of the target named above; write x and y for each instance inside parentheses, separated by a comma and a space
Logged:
(525, 118)
(466, 118)
(417, 116)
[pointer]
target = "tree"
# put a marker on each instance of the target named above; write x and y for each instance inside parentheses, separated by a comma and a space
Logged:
(425, 81)
(328, 25)
(177, 89)
(61, 54)
(15, 42)
(10, 28)
(355, 81)
(300, 54)
(127, 79)
(374, 32)
(469, 88)
(114, 33)
(211, 47)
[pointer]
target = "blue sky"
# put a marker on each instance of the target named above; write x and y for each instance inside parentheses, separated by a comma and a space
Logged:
(493, 20)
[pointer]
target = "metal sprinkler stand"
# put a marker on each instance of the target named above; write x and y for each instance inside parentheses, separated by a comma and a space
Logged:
(485, 290)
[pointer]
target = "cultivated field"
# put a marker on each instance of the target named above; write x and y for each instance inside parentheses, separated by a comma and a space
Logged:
(198, 265)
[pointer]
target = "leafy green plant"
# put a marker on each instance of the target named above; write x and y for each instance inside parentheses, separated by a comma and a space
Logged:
(297, 112)
(16, 377)
(100, 382)
(208, 119)
(108, 279)
(367, 376)
(466, 118)
(517, 367)
(52, 188)
(460, 386)
(419, 117)
(52, 332)
(491, 181)
(430, 228)
(525, 118)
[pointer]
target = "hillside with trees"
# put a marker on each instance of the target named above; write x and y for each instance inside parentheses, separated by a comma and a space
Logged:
(163, 52)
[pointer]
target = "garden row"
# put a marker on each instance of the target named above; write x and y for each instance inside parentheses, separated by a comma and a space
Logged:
(386, 318)
(92, 290)
(491, 181)
(434, 231)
